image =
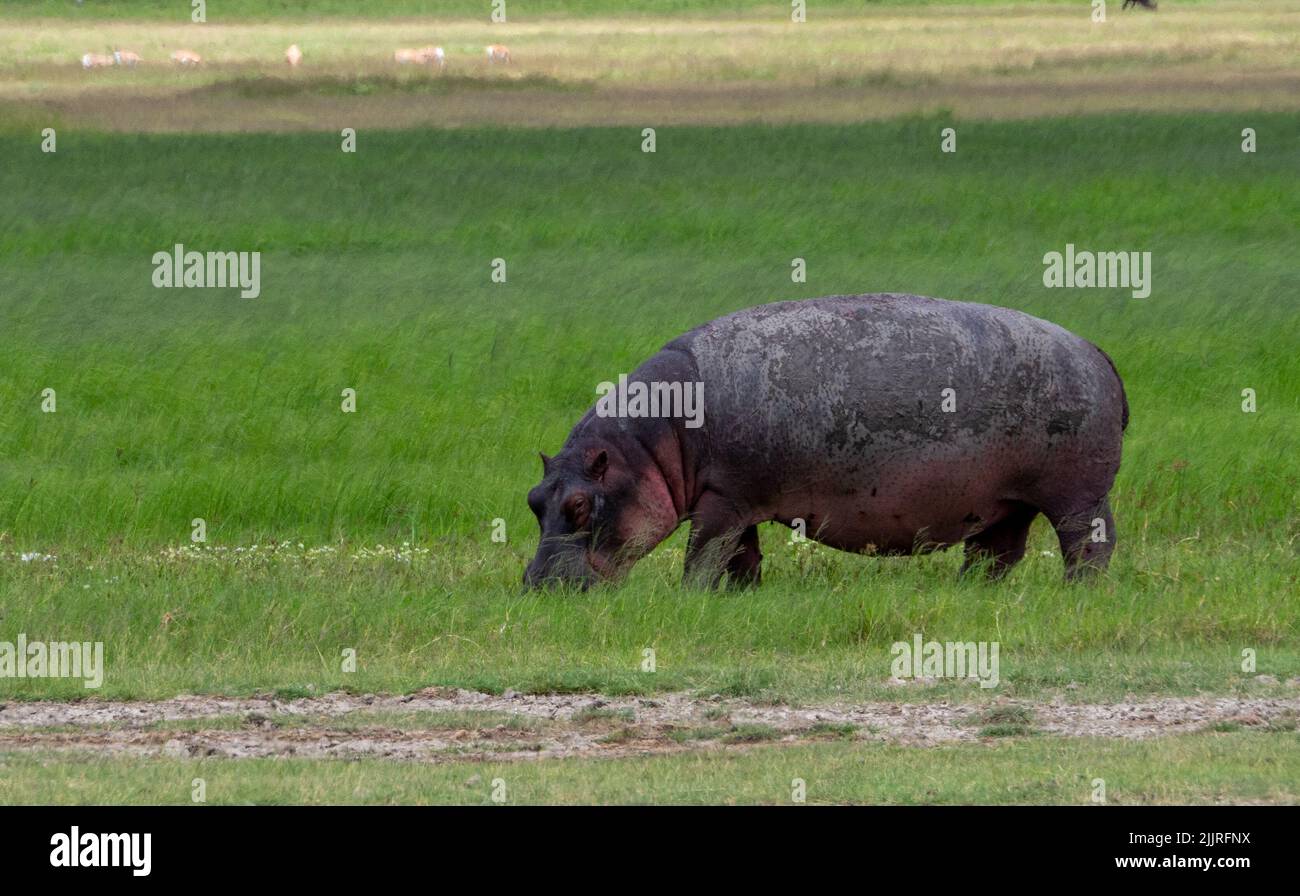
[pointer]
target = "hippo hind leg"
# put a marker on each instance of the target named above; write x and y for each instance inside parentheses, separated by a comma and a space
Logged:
(1002, 545)
(1087, 536)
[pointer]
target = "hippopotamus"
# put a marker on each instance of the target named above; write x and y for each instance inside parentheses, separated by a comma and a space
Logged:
(881, 424)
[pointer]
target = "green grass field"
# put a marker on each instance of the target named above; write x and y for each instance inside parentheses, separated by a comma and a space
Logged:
(372, 531)
(181, 404)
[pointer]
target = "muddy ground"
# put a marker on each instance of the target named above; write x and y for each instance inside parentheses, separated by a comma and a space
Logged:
(443, 725)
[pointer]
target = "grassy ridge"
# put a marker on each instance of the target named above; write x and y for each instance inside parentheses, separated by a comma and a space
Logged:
(176, 404)
(517, 10)
(845, 64)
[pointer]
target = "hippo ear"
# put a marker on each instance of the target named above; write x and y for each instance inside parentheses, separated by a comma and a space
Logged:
(546, 461)
(597, 464)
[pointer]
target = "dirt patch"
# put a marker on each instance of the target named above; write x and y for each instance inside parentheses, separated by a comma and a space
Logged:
(1024, 96)
(448, 725)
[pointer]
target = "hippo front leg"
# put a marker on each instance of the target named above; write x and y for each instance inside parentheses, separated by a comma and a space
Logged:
(722, 540)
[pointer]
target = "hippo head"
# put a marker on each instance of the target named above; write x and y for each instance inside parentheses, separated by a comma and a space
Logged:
(599, 511)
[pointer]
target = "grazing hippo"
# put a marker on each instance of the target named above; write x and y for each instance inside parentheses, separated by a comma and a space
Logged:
(885, 423)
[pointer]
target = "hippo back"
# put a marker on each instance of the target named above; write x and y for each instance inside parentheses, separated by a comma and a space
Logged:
(834, 381)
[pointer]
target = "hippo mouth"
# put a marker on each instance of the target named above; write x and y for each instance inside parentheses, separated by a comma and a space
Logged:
(572, 566)
(578, 566)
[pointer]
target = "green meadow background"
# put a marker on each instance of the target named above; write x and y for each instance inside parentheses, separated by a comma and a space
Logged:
(187, 403)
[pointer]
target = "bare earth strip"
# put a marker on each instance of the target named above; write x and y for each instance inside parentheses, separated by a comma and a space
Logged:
(721, 104)
(464, 725)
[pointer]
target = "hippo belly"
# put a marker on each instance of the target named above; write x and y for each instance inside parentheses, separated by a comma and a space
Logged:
(899, 508)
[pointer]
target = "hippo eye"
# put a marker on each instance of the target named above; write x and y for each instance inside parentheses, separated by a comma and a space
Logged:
(578, 510)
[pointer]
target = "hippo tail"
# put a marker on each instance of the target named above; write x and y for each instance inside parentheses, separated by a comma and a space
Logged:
(1123, 396)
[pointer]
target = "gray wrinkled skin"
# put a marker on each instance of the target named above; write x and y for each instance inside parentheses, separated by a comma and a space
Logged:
(830, 411)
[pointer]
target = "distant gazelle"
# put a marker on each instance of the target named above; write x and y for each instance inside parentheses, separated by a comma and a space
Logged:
(96, 60)
(186, 57)
(497, 53)
(126, 57)
(422, 56)
(293, 55)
